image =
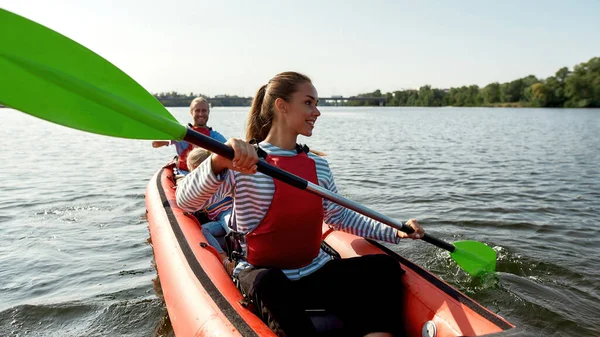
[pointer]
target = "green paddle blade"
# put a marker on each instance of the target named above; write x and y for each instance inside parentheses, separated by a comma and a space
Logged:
(45, 74)
(474, 257)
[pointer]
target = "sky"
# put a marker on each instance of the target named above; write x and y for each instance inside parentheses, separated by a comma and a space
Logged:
(345, 47)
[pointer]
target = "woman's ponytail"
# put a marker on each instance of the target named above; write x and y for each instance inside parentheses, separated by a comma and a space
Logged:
(258, 126)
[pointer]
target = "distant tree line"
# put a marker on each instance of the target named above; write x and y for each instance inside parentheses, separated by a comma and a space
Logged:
(579, 88)
(173, 99)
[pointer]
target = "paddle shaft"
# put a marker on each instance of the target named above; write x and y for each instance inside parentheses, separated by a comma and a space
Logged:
(221, 149)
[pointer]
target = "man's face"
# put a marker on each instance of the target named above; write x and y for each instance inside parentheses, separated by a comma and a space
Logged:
(200, 112)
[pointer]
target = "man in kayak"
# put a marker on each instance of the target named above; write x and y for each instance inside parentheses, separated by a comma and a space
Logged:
(285, 271)
(200, 111)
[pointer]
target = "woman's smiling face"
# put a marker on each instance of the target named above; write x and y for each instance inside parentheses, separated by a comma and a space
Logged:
(301, 111)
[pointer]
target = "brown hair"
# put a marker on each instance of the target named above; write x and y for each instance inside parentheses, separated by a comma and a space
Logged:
(196, 156)
(283, 85)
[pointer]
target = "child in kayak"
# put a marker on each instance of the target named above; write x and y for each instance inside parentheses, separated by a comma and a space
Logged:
(217, 214)
(285, 271)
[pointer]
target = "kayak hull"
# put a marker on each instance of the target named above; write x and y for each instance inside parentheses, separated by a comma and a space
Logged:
(202, 300)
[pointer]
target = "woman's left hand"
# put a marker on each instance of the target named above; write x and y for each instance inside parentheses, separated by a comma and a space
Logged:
(417, 234)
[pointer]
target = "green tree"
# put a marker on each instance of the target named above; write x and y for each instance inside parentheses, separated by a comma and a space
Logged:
(555, 94)
(491, 93)
(474, 97)
(389, 97)
(512, 91)
(528, 82)
(413, 98)
(399, 98)
(582, 87)
(540, 94)
(438, 97)
(562, 74)
(425, 96)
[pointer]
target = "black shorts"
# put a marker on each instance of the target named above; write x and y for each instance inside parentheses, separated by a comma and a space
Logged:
(363, 292)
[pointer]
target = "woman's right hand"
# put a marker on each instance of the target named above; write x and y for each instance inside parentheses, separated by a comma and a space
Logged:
(244, 161)
(418, 231)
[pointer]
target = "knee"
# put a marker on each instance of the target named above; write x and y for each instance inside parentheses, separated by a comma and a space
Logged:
(271, 278)
(382, 260)
(386, 264)
(267, 282)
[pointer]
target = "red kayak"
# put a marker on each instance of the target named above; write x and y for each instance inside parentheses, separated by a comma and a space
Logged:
(202, 300)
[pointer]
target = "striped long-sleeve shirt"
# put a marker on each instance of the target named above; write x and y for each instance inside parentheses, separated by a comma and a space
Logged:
(253, 195)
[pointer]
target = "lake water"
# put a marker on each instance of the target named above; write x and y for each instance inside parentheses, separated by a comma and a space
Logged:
(74, 258)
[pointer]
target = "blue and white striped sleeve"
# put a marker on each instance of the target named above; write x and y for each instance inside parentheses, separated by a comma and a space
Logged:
(346, 220)
(202, 187)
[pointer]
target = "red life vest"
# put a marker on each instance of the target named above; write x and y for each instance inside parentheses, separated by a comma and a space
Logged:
(289, 236)
(182, 162)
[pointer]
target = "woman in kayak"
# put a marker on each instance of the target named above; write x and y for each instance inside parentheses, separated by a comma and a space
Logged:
(285, 271)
